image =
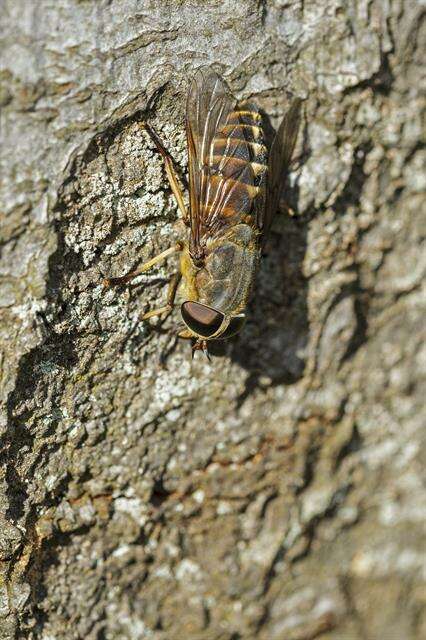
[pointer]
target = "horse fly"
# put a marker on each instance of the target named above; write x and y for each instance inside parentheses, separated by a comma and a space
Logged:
(234, 191)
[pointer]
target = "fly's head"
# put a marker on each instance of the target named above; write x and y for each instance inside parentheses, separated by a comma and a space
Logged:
(205, 323)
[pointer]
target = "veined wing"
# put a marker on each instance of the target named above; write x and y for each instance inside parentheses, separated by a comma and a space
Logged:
(279, 160)
(208, 105)
(227, 160)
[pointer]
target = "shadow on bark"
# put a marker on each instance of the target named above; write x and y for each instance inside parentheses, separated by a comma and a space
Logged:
(272, 345)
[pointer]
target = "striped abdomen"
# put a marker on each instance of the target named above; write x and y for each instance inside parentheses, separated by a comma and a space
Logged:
(234, 175)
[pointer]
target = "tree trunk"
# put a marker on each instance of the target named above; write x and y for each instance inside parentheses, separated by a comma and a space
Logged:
(274, 493)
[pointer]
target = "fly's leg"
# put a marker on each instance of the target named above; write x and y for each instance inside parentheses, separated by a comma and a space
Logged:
(170, 171)
(108, 282)
(171, 295)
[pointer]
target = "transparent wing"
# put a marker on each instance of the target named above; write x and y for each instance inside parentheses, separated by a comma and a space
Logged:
(228, 185)
(208, 104)
(279, 160)
(227, 159)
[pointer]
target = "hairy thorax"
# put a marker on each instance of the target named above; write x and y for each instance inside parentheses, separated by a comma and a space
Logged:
(225, 280)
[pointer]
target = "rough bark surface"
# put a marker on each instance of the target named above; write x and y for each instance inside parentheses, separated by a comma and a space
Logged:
(276, 492)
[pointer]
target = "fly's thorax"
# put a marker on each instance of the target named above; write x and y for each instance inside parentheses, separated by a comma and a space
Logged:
(226, 279)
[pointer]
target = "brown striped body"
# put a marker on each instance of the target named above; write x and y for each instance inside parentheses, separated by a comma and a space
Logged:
(234, 174)
(233, 181)
(229, 214)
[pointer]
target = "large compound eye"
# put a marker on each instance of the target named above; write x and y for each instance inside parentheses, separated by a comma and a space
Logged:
(203, 321)
(235, 325)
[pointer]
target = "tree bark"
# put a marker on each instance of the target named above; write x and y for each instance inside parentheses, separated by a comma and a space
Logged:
(276, 492)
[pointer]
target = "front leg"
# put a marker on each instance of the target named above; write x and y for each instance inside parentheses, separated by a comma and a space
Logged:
(108, 282)
(171, 295)
(170, 171)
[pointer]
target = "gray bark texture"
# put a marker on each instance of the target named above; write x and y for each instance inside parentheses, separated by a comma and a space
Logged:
(276, 492)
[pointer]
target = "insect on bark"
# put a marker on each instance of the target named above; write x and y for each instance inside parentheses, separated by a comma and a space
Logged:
(234, 190)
